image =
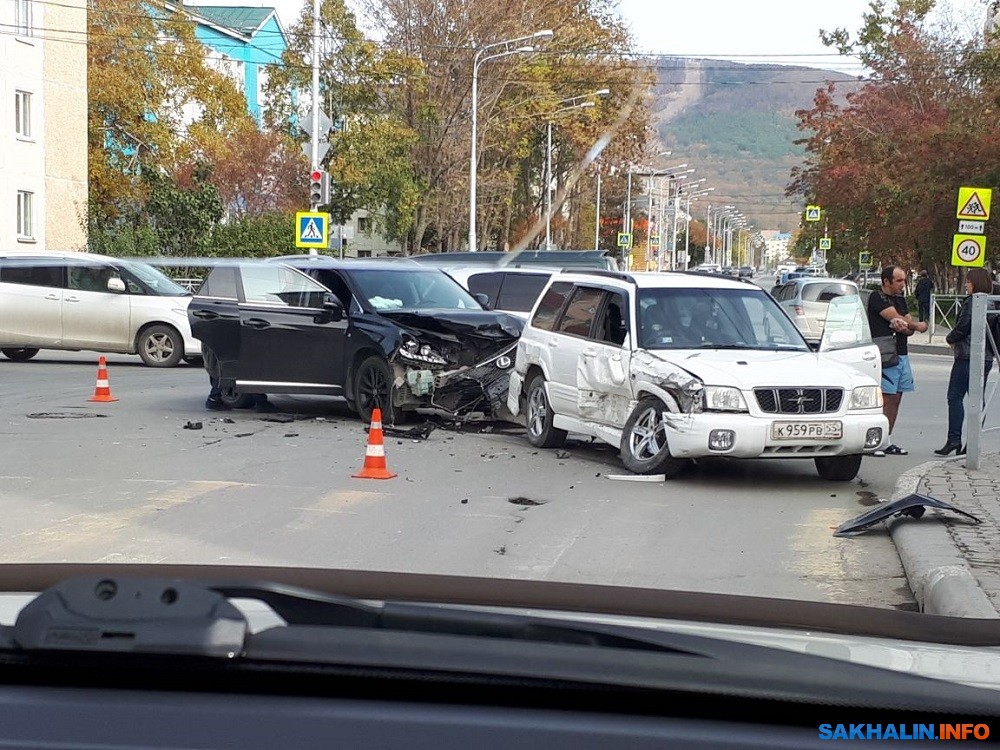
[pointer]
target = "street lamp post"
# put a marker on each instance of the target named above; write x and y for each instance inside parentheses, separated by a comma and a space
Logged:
(477, 60)
(687, 223)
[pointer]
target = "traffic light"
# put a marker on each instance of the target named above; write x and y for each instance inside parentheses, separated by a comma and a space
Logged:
(319, 188)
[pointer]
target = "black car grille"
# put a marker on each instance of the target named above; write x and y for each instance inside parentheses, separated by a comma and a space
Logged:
(799, 400)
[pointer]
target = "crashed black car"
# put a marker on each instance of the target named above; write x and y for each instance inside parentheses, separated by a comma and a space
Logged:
(391, 334)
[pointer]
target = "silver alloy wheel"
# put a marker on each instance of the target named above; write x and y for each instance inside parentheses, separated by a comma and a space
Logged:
(537, 411)
(159, 347)
(648, 437)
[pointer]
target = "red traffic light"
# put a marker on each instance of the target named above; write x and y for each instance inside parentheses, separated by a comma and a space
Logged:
(316, 175)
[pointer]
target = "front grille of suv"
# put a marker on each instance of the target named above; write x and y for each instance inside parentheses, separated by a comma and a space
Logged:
(799, 400)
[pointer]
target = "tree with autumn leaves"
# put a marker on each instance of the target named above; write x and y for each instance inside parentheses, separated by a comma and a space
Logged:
(886, 161)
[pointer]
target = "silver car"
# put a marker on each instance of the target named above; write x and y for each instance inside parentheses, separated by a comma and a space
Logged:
(807, 299)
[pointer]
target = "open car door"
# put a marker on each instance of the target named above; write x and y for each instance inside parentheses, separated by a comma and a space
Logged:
(848, 339)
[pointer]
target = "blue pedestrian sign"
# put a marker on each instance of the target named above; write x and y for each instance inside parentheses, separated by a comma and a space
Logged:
(312, 229)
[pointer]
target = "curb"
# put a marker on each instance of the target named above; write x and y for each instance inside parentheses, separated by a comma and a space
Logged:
(928, 349)
(939, 577)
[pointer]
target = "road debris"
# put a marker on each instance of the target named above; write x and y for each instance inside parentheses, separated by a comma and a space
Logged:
(525, 501)
(502, 550)
(65, 415)
(637, 477)
(421, 432)
(280, 418)
(913, 506)
(562, 454)
(193, 425)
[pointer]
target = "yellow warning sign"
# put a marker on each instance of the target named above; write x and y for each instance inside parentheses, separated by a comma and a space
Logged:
(968, 250)
(974, 203)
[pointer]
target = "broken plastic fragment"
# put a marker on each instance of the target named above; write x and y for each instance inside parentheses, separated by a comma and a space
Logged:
(911, 505)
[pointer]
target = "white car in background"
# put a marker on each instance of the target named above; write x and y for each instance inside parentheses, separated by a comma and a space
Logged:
(80, 301)
(508, 289)
(670, 367)
(807, 301)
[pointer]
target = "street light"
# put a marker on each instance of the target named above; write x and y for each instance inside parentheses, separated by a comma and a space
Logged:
(687, 222)
(477, 60)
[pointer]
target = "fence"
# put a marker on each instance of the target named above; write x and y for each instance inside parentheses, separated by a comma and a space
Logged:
(983, 314)
(944, 313)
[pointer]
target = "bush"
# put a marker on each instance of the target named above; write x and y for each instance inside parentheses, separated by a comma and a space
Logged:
(262, 236)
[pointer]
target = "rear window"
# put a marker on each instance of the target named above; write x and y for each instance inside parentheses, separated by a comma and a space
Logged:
(520, 291)
(488, 284)
(33, 272)
(551, 304)
(220, 283)
(826, 292)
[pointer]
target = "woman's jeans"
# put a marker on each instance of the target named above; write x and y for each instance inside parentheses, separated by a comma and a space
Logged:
(958, 386)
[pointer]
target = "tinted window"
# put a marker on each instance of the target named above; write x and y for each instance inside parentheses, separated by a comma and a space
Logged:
(275, 285)
(90, 278)
(155, 281)
(392, 289)
(220, 283)
(551, 304)
(581, 311)
(826, 292)
(488, 284)
(520, 291)
(32, 272)
(614, 320)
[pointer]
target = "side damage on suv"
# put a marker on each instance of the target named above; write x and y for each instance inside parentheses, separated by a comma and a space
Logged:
(671, 367)
(392, 335)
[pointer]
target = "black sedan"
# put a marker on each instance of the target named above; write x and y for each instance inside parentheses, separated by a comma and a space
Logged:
(390, 334)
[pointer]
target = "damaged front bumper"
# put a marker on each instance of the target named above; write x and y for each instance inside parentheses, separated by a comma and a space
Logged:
(460, 391)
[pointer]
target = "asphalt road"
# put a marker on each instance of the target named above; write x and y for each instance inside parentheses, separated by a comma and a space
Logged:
(127, 482)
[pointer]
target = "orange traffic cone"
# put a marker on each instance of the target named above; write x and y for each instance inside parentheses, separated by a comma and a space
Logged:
(102, 392)
(375, 467)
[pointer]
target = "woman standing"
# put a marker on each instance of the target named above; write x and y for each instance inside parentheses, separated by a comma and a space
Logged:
(978, 280)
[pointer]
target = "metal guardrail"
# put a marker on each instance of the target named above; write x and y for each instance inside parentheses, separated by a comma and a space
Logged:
(944, 307)
(982, 316)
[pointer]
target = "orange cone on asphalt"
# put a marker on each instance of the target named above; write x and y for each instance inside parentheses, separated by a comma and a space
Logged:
(102, 392)
(375, 467)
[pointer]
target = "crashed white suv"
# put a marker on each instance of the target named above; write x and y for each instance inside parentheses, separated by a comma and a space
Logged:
(672, 366)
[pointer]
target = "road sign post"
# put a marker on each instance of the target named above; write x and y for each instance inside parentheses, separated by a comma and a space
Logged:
(813, 213)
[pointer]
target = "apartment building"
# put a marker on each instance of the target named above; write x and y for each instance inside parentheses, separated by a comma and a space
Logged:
(43, 124)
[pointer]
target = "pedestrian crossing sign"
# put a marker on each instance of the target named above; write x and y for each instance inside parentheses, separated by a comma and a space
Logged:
(825, 243)
(813, 213)
(974, 203)
(312, 229)
(865, 260)
(625, 239)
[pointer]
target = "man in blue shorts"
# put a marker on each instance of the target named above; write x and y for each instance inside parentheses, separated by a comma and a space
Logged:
(888, 314)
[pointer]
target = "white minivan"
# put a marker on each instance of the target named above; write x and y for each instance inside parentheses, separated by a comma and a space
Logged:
(79, 301)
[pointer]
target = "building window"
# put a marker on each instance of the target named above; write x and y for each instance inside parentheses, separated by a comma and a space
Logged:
(23, 24)
(22, 114)
(25, 215)
(364, 223)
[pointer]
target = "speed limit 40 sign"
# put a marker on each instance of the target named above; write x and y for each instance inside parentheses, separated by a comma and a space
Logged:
(968, 250)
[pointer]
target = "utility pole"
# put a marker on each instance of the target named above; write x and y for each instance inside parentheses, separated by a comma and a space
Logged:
(315, 94)
(597, 212)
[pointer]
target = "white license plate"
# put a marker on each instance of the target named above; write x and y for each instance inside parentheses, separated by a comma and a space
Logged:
(807, 430)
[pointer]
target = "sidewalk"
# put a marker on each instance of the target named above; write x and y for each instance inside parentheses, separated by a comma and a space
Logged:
(951, 564)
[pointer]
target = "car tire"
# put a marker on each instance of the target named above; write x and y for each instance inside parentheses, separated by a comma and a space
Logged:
(235, 400)
(160, 346)
(644, 448)
(538, 417)
(19, 355)
(838, 468)
(373, 387)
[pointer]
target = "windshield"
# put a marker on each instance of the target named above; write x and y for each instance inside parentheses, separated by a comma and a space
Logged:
(714, 318)
(412, 290)
(155, 281)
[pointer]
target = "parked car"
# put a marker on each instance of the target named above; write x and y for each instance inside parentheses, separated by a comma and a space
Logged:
(708, 268)
(376, 333)
(513, 290)
(84, 302)
(745, 272)
(807, 300)
(670, 367)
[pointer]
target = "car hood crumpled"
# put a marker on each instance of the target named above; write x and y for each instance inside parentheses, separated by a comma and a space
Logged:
(747, 368)
(468, 335)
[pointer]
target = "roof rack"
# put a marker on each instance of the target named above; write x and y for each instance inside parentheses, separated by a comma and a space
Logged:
(601, 272)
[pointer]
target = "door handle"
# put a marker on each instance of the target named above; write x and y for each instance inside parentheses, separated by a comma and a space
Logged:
(205, 314)
(53, 297)
(868, 357)
(72, 299)
(257, 323)
(590, 352)
(553, 343)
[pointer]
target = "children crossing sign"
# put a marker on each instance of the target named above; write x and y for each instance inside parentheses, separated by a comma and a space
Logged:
(312, 229)
(974, 203)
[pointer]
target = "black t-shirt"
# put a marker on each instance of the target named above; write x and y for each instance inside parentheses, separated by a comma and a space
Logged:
(878, 302)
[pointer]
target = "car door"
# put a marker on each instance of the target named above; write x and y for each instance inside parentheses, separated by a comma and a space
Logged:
(94, 316)
(572, 336)
(31, 293)
(215, 319)
(604, 390)
(288, 342)
(848, 339)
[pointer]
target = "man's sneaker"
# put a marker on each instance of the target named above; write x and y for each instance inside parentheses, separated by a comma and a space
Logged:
(216, 404)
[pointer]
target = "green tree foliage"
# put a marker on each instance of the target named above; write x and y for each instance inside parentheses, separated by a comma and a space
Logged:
(183, 217)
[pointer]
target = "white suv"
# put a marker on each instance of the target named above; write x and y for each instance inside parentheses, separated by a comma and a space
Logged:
(80, 301)
(671, 366)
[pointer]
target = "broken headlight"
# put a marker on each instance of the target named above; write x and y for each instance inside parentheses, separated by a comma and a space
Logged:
(866, 397)
(413, 351)
(722, 398)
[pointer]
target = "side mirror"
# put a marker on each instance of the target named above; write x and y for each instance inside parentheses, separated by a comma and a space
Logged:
(842, 338)
(483, 299)
(116, 285)
(333, 310)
